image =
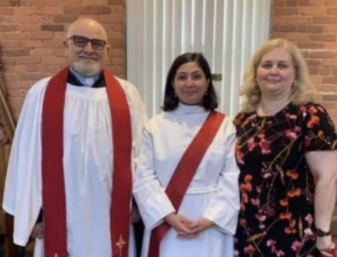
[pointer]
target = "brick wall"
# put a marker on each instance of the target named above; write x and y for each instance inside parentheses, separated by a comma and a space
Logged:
(312, 25)
(32, 34)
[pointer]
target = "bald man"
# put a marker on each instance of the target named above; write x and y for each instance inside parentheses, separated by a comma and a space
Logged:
(73, 155)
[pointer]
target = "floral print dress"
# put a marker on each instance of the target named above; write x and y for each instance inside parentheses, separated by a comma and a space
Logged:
(276, 185)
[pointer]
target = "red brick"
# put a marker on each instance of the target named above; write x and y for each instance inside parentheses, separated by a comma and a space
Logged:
(118, 9)
(84, 10)
(325, 71)
(16, 36)
(321, 10)
(313, 71)
(330, 28)
(310, 28)
(17, 53)
(285, 28)
(323, 37)
(32, 76)
(39, 52)
(318, 3)
(19, 84)
(41, 35)
(329, 63)
(281, 20)
(314, 63)
(291, 3)
(8, 45)
(330, 80)
(118, 2)
(322, 54)
(311, 45)
(6, 11)
(48, 10)
(30, 44)
(8, 60)
(111, 19)
(279, 3)
(330, 45)
(117, 52)
(303, 2)
(297, 37)
(41, 19)
(330, 3)
(285, 11)
(52, 27)
(29, 27)
(29, 60)
(64, 19)
(324, 20)
(8, 28)
(4, 4)
(54, 60)
(96, 2)
(332, 97)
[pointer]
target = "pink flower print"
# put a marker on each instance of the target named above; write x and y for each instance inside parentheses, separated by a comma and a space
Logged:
(290, 134)
(291, 116)
(297, 129)
(262, 226)
(264, 144)
(280, 253)
(312, 109)
(255, 202)
(296, 245)
(251, 144)
(320, 108)
(261, 217)
(271, 242)
(308, 232)
(309, 219)
(267, 173)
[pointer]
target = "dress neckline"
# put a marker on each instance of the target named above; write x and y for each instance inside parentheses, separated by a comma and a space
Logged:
(272, 115)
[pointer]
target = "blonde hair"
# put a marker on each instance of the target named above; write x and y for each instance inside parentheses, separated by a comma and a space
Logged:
(303, 90)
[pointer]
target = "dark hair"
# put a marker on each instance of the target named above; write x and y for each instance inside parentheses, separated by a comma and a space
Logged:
(171, 101)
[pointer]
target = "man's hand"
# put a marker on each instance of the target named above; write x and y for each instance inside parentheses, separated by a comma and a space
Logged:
(37, 231)
(135, 216)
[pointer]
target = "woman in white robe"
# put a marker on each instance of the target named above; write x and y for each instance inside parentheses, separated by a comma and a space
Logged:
(207, 218)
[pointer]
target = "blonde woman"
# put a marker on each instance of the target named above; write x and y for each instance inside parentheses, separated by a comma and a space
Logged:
(286, 152)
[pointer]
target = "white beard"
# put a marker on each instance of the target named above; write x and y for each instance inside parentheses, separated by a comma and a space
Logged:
(87, 70)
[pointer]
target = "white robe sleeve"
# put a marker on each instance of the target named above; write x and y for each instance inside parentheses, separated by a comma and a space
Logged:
(224, 206)
(23, 188)
(153, 203)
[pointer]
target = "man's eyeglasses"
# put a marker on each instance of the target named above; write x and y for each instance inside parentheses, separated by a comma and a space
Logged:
(82, 42)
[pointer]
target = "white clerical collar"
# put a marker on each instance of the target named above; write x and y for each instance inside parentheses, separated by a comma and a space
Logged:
(87, 82)
(185, 108)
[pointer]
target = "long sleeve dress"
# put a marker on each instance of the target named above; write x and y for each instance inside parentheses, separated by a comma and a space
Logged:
(212, 194)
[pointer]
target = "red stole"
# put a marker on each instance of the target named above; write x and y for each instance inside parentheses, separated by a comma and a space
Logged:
(53, 188)
(185, 172)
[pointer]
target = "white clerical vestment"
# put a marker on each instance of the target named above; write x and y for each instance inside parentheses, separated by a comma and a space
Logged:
(87, 164)
(212, 194)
